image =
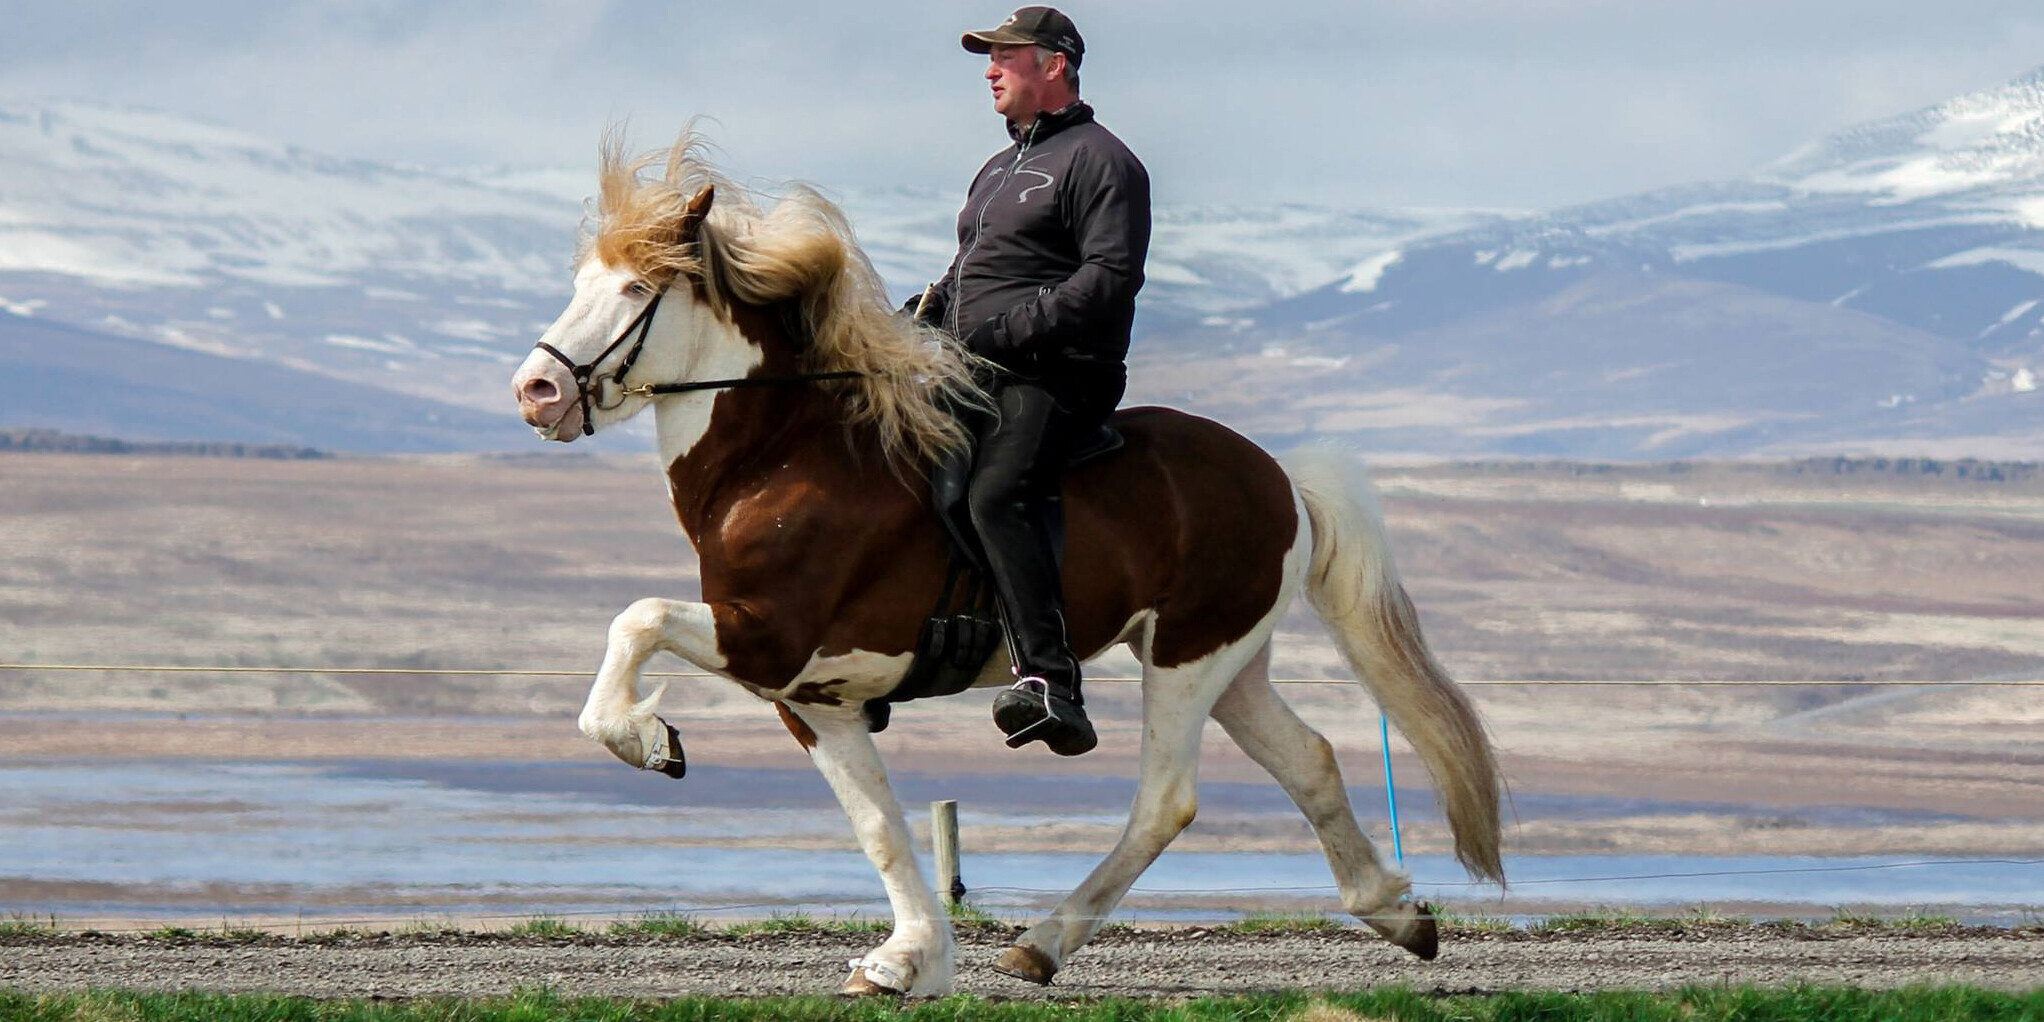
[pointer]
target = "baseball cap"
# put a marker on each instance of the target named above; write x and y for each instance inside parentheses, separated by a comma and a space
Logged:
(1032, 26)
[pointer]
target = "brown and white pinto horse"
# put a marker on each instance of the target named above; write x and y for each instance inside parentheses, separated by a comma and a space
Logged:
(820, 553)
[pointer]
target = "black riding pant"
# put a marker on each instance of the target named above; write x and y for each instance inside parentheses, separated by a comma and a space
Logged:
(1013, 496)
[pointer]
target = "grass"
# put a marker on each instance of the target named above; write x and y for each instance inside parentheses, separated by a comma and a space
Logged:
(1693, 1004)
(1459, 922)
(1912, 921)
(423, 926)
(967, 919)
(972, 917)
(1283, 922)
(1921, 922)
(660, 924)
(791, 922)
(1600, 918)
(16, 924)
(1702, 914)
(548, 927)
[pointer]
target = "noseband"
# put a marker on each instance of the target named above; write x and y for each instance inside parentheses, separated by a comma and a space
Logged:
(585, 374)
(587, 382)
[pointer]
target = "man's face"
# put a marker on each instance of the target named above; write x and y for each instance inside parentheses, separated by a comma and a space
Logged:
(1019, 83)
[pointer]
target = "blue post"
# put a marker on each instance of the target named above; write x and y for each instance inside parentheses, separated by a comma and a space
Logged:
(1390, 792)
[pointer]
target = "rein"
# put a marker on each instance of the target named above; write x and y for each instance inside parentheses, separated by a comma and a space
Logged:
(587, 382)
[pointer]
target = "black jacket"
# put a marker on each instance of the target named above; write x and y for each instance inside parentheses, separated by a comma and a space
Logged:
(1051, 245)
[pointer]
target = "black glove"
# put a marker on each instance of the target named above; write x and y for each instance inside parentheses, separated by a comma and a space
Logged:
(984, 342)
(926, 309)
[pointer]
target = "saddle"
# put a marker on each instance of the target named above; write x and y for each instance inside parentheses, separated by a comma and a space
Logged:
(964, 629)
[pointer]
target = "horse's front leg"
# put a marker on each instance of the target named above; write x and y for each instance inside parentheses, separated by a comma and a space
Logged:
(614, 714)
(917, 957)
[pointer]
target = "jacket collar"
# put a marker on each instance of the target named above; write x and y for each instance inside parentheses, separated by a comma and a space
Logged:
(1048, 124)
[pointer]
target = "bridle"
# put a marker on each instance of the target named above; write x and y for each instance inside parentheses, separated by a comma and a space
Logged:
(588, 384)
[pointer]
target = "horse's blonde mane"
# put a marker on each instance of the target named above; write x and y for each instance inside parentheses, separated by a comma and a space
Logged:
(802, 251)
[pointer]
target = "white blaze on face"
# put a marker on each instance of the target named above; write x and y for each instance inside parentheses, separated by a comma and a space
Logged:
(604, 302)
(684, 342)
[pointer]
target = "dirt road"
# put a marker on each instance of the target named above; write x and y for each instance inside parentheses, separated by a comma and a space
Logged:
(1121, 963)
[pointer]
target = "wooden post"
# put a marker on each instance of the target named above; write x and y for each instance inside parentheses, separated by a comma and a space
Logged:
(944, 843)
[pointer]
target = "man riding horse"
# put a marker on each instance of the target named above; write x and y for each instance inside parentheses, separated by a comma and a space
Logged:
(795, 414)
(1051, 245)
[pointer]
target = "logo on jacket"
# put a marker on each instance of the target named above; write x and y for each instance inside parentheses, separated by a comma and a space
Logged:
(1047, 182)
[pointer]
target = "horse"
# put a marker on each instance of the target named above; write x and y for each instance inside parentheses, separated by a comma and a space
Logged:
(798, 416)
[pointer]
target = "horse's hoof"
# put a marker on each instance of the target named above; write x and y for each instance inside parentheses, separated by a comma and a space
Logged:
(1424, 936)
(878, 712)
(677, 764)
(859, 984)
(1026, 963)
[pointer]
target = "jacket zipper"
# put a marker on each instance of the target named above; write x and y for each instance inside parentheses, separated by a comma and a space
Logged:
(979, 223)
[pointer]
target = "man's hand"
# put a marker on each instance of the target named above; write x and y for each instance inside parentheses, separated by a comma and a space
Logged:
(984, 342)
(926, 309)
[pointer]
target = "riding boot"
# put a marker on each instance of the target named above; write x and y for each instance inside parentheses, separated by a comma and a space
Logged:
(1044, 704)
(1016, 508)
(1037, 708)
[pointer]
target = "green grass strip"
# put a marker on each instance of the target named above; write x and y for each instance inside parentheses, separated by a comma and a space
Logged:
(1696, 1004)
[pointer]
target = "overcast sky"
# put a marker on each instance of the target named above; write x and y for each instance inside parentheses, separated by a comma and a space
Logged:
(1493, 103)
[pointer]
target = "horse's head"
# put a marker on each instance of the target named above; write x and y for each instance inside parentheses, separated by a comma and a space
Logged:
(634, 320)
(675, 301)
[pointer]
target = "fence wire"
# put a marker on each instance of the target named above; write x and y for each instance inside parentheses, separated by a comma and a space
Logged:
(582, 672)
(691, 911)
(429, 922)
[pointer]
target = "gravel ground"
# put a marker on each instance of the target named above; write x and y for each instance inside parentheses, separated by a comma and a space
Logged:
(1138, 963)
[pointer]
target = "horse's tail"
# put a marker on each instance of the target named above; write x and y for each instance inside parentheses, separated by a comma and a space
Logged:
(1354, 586)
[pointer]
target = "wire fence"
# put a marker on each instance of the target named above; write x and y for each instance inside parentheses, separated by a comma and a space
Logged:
(519, 672)
(787, 911)
(128, 925)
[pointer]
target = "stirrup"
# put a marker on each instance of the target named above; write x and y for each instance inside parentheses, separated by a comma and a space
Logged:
(1027, 712)
(1037, 685)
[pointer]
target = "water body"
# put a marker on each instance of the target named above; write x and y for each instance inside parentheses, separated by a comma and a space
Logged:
(342, 839)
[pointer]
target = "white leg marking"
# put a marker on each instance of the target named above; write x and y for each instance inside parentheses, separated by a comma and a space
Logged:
(1175, 705)
(1176, 701)
(614, 714)
(1303, 763)
(916, 958)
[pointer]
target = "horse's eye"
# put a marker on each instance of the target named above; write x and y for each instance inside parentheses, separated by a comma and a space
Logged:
(638, 289)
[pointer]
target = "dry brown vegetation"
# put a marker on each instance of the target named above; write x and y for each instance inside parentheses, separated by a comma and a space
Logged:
(1522, 572)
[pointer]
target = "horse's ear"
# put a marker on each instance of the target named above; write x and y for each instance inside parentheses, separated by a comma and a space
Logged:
(692, 217)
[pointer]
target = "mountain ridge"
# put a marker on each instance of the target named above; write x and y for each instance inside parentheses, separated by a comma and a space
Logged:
(1906, 250)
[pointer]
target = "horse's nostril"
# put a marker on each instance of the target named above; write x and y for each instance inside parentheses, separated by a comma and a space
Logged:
(540, 390)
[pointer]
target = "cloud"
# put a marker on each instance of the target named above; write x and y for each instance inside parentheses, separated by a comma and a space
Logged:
(1513, 103)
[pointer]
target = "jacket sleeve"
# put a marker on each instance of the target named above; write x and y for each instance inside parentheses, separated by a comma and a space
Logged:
(1109, 214)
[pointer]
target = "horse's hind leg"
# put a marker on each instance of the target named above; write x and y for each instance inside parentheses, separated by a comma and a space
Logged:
(1303, 764)
(1175, 705)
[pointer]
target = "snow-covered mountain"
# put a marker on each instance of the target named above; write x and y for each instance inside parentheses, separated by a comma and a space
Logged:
(143, 225)
(1910, 250)
(1881, 288)
(133, 197)
(432, 282)
(1877, 217)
